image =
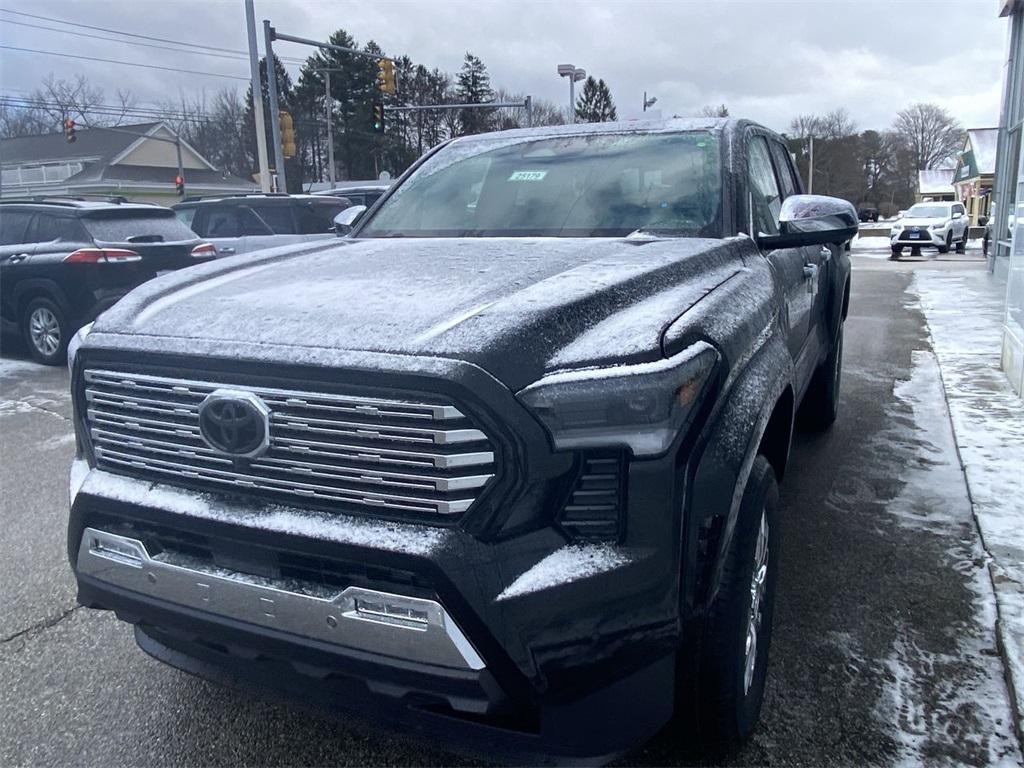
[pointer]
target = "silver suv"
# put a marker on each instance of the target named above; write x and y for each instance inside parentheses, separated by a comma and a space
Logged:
(249, 223)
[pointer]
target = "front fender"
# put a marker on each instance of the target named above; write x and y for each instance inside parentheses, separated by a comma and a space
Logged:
(719, 474)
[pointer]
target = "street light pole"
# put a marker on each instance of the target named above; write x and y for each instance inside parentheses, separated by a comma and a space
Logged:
(574, 73)
(330, 128)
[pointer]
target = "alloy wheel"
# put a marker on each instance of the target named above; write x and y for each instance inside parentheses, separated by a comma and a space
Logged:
(758, 585)
(44, 329)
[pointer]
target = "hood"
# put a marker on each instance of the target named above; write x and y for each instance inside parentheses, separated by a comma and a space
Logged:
(921, 221)
(517, 307)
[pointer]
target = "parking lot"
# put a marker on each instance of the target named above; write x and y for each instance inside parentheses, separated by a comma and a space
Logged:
(883, 648)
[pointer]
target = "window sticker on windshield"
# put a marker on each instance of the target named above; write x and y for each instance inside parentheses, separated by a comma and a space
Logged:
(527, 175)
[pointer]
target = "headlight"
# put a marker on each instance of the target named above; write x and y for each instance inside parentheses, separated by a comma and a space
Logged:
(641, 407)
(936, 226)
(897, 228)
(75, 343)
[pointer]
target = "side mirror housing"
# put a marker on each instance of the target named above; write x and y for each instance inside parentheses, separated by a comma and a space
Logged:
(346, 220)
(957, 214)
(812, 220)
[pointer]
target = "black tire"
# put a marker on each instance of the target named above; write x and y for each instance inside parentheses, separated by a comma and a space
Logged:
(821, 403)
(729, 701)
(896, 251)
(949, 242)
(961, 246)
(46, 331)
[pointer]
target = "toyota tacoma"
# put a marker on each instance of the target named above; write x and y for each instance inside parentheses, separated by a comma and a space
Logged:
(497, 467)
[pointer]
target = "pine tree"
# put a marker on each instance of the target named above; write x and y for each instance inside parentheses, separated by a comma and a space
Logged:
(474, 87)
(595, 104)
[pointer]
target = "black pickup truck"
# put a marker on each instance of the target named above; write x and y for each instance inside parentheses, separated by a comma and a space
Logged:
(499, 466)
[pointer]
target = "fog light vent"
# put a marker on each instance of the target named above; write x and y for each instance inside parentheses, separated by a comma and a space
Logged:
(594, 509)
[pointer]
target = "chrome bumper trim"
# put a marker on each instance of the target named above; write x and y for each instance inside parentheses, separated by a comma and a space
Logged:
(408, 628)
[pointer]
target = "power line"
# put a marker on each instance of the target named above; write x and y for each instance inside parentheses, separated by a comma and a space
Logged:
(125, 63)
(216, 49)
(231, 56)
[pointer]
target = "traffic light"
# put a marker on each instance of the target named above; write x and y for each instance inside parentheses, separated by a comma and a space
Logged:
(378, 117)
(69, 130)
(179, 186)
(386, 75)
(287, 134)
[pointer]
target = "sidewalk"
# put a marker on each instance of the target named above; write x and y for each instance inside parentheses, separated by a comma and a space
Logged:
(964, 310)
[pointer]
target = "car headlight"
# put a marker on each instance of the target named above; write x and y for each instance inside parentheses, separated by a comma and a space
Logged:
(936, 226)
(75, 343)
(897, 227)
(641, 407)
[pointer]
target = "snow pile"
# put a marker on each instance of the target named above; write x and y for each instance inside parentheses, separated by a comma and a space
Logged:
(565, 565)
(964, 310)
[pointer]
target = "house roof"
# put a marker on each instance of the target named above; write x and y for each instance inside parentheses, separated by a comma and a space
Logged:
(935, 181)
(983, 141)
(93, 142)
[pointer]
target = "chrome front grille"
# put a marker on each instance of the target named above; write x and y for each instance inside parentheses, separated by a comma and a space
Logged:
(389, 455)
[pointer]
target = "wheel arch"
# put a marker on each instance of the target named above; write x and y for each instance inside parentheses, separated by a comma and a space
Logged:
(28, 290)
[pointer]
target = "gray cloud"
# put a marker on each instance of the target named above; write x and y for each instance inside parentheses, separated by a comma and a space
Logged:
(766, 60)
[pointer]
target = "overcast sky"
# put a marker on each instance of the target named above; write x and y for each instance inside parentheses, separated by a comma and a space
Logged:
(767, 60)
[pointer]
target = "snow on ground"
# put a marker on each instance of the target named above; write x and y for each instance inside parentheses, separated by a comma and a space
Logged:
(954, 693)
(872, 247)
(964, 311)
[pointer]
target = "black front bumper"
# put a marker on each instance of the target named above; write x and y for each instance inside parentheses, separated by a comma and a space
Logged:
(580, 671)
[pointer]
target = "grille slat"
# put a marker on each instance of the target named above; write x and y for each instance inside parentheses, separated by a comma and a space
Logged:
(371, 453)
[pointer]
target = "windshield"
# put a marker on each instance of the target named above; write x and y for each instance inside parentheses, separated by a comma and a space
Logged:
(928, 212)
(144, 226)
(604, 185)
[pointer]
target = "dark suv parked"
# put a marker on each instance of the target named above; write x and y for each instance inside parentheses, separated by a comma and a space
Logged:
(501, 466)
(63, 261)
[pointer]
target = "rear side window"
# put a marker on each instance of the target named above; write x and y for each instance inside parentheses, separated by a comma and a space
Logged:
(186, 215)
(142, 227)
(765, 197)
(786, 176)
(13, 225)
(318, 219)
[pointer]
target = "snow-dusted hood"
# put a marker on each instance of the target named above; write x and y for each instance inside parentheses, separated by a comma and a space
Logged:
(515, 306)
(921, 221)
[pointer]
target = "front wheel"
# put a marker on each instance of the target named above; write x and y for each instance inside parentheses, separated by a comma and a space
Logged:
(46, 331)
(734, 659)
(961, 246)
(949, 242)
(896, 251)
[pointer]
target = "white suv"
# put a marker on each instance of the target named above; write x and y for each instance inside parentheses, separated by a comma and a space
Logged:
(931, 225)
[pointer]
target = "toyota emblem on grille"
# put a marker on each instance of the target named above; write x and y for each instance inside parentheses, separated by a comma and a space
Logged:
(235, 423)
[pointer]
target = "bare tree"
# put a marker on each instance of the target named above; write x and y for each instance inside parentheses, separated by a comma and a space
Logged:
(709, 111)
(79, 100)
(18, 121)
(930, 134)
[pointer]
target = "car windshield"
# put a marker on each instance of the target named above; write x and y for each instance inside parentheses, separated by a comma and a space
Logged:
(605, 185)
(928, 212)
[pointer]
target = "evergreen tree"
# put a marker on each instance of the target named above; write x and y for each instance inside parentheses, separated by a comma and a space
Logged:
(284, 99)
(474, 87)
(595, 104)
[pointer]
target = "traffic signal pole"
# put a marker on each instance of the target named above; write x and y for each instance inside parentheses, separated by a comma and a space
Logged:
(275, 110)
(257, 97)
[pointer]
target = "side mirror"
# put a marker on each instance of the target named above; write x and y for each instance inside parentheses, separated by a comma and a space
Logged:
(957, 214)
(346, 220)
(812, 220)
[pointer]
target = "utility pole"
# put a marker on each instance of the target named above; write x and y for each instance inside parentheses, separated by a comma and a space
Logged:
(528, 104)
(330, 128)
(257, 97)
(810, 168)
(275, 111)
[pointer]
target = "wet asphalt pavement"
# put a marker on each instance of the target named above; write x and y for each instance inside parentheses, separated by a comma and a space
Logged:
(883, 648)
